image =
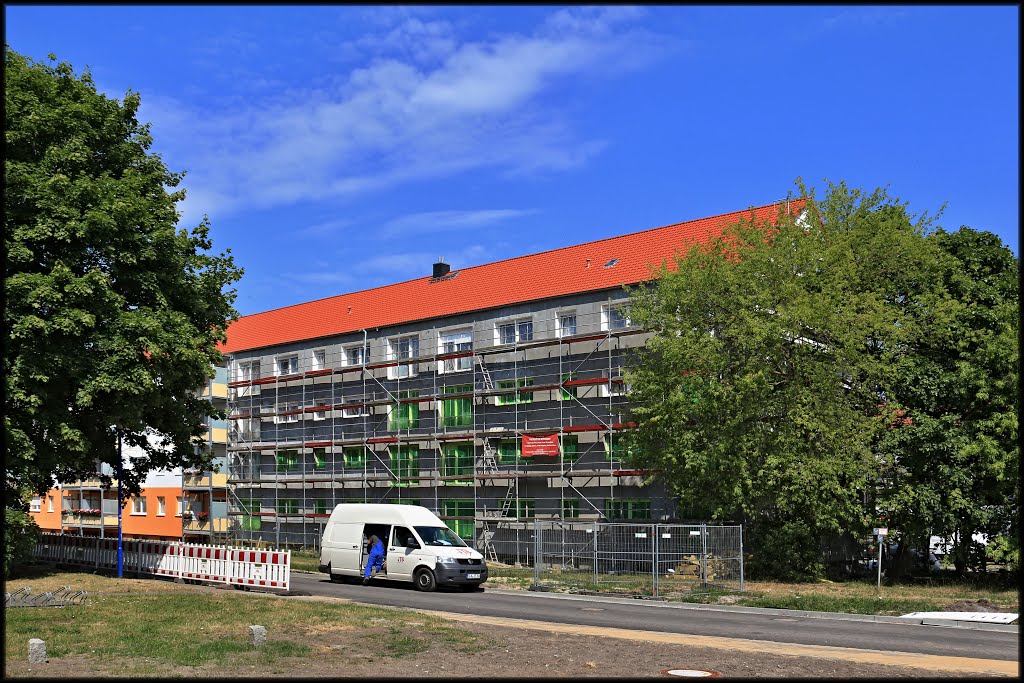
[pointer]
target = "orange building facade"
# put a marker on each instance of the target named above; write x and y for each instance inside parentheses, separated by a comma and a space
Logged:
(173, 505)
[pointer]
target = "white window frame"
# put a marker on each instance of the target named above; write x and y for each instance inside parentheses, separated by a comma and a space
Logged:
(614, 309)
(319, 359)
(180, 507)
(281, 362)
(358, 349)
(319, 415)
(562, 315)
(517, 325)
(36, 504)
(248, 427)
(284, 408)
(248, 370)
(139, 506)
(449, 342)
(161, 506)
(614, 389)
(395, 353)
(49, 500)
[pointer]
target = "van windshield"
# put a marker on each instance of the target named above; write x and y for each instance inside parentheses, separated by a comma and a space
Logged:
(439, 535)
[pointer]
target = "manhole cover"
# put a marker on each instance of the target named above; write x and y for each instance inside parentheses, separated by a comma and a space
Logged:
(691, 673)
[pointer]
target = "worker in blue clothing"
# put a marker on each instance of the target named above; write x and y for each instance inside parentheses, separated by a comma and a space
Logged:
(375, 559)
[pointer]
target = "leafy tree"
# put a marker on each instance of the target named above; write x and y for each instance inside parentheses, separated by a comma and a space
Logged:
(766, 387)
(953, 469)
(112, 314)
(20, 536)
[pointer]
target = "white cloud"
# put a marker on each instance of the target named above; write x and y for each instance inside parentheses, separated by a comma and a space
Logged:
(436, 106)
(435, 221)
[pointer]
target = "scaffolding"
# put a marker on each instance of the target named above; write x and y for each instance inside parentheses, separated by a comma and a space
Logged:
(441, 429)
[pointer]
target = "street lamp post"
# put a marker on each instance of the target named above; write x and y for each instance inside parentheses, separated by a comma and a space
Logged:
(120, 551)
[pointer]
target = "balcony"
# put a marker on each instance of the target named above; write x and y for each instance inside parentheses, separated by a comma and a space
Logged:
(204, 481)
(216, 390)
(218, 525)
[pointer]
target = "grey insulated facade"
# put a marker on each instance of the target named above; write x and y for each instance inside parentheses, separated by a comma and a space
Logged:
(436, 413)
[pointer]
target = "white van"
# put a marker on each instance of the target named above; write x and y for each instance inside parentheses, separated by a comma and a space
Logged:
(418, 547)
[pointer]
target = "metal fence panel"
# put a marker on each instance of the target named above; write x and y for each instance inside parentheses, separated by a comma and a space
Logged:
(660, 560)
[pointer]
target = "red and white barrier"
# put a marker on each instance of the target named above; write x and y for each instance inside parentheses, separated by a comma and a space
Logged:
(219, 564)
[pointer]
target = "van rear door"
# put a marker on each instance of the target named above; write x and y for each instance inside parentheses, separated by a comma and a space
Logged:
(344, 541)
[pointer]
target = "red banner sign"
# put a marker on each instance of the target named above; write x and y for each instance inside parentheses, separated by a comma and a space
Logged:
(540, 445)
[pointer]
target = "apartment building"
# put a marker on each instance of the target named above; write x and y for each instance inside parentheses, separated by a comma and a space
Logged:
(173, 505)
(493, 395)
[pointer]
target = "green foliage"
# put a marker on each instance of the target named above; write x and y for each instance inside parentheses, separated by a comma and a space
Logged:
(953, 469)
(20, 536)
(787, 552)
(786, 357)
(113, 314)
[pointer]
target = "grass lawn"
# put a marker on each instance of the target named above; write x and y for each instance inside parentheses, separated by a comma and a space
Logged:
(150, 627)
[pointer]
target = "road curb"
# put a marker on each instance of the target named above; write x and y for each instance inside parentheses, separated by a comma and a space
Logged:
(807, 614)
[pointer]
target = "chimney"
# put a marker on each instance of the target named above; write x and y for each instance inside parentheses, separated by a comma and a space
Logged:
(441, 268)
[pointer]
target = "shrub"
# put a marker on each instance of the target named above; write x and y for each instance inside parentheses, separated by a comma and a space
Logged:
(20, 536)
(788, 552)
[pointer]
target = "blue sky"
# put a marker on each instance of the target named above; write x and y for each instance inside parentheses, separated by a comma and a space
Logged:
(340, 148)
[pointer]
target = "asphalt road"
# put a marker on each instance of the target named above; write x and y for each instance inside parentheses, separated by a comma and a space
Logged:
(658, 616)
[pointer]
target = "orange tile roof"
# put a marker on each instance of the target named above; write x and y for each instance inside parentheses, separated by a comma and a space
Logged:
(558, 272)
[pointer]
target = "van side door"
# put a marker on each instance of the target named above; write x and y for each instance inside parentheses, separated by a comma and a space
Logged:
(401, 558)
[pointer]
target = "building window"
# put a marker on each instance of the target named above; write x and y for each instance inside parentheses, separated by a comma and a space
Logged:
(288, 365)
(287, 461)
(406, 463)
(178, 506)
(249, 506)
(249, 371)
(568, 393)
(457, 412)
(319, 415)
(628, 508)
(570, 508)
(161, 506)
(319, 359)
(514, 397)
(615, 447)
(404, 349)
(358, 410)
(287, 506)
(319, 458)
(525, 508)
(456, 342)
(355, 355)
(49, 503)
(508, 452)
(614, 388)
(353, 457)
(566, 324)
(36, 505)
(458, 460)
(293, 408)
(516, 331)
(138, 505)
(247, 428)
(320, 506)
(459, 508)
(570, 445)
(404, 415)
(615, 316)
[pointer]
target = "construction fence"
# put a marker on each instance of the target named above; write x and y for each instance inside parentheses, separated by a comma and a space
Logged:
(188, 561)
(658, 560)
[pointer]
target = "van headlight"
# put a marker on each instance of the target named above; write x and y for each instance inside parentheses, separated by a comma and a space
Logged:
(447, 560)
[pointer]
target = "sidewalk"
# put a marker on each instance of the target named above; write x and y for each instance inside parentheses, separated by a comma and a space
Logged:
(977, 626)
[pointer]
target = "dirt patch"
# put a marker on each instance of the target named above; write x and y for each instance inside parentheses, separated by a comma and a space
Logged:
(981, 605)
(499, 653)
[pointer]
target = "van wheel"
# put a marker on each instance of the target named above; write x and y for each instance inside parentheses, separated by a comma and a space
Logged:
(424, 580)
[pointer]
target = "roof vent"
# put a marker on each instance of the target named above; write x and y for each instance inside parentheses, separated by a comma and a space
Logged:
(441, 268)
(611, 263)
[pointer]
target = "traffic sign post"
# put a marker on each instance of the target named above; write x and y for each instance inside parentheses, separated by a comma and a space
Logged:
(880, 534)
